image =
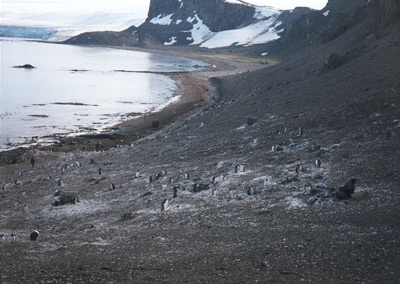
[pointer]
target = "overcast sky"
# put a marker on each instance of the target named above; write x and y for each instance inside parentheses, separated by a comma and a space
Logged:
(142, 5)
(56, 13)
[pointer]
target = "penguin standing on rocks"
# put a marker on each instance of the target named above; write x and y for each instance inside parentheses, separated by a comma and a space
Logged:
(33, 161)
(100, 171)
(318, 163)
(175, 192)
(164, 205)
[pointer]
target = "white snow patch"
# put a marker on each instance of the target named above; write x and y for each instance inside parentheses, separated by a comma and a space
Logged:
(326, 13)
(264, 54)
(265, 12)
(178, 21)
(162, 20)
(257, 33)
(200, 31)
(294, 203)
(171, 41)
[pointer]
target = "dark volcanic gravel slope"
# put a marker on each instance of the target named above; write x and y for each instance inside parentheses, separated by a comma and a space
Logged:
(259, 224)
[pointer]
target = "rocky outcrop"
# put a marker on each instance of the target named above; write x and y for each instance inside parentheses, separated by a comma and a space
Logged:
(175, 18)
(386, 11)
(305, 26)
(125, 38)
(194, 22)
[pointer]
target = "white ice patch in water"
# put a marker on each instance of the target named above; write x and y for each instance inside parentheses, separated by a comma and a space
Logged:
(162, 20)
(171, 41)
(326, 13)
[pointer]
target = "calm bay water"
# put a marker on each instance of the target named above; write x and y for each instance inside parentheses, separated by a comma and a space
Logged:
(76, 90)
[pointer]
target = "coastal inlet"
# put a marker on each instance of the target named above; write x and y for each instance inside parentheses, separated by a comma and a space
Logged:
(75, 90)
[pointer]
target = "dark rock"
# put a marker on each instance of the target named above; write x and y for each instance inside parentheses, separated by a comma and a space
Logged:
(346, 191)
(126, 216)
(26, 66)
(200, 187)
(67, 198)
(150, 203)
(155, 123)
(34, 236)
(147, 194)
(251, 120)
(334, 61)
(241, 196)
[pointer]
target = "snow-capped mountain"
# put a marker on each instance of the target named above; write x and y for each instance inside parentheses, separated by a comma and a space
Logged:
(211, 23)
(233, 23)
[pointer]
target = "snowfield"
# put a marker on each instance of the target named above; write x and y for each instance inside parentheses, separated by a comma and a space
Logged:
(264, 30)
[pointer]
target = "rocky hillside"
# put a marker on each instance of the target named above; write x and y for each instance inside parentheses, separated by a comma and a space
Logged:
(221, 23)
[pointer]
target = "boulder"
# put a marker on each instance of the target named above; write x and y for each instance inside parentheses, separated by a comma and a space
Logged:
(334, 61)
(26, 66)
(67, 198)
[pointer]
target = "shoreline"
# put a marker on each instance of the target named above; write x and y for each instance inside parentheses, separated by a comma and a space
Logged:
(194, 90)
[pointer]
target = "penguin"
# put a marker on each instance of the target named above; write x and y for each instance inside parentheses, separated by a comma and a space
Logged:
(318, 163)
(59, 182)
(241, 168)
(298, 168)
(236, 169)
(13, 238)
(97, 146)
(100, 171)
(307, 188)
(112, 186)
(137, 175)
(150, 179)
(171, 180)
(164, 205)
(33, 161)
(164, 173)
(25, 208)
(301, 131)
(187, 176)
(34, 236)
(175, 191)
